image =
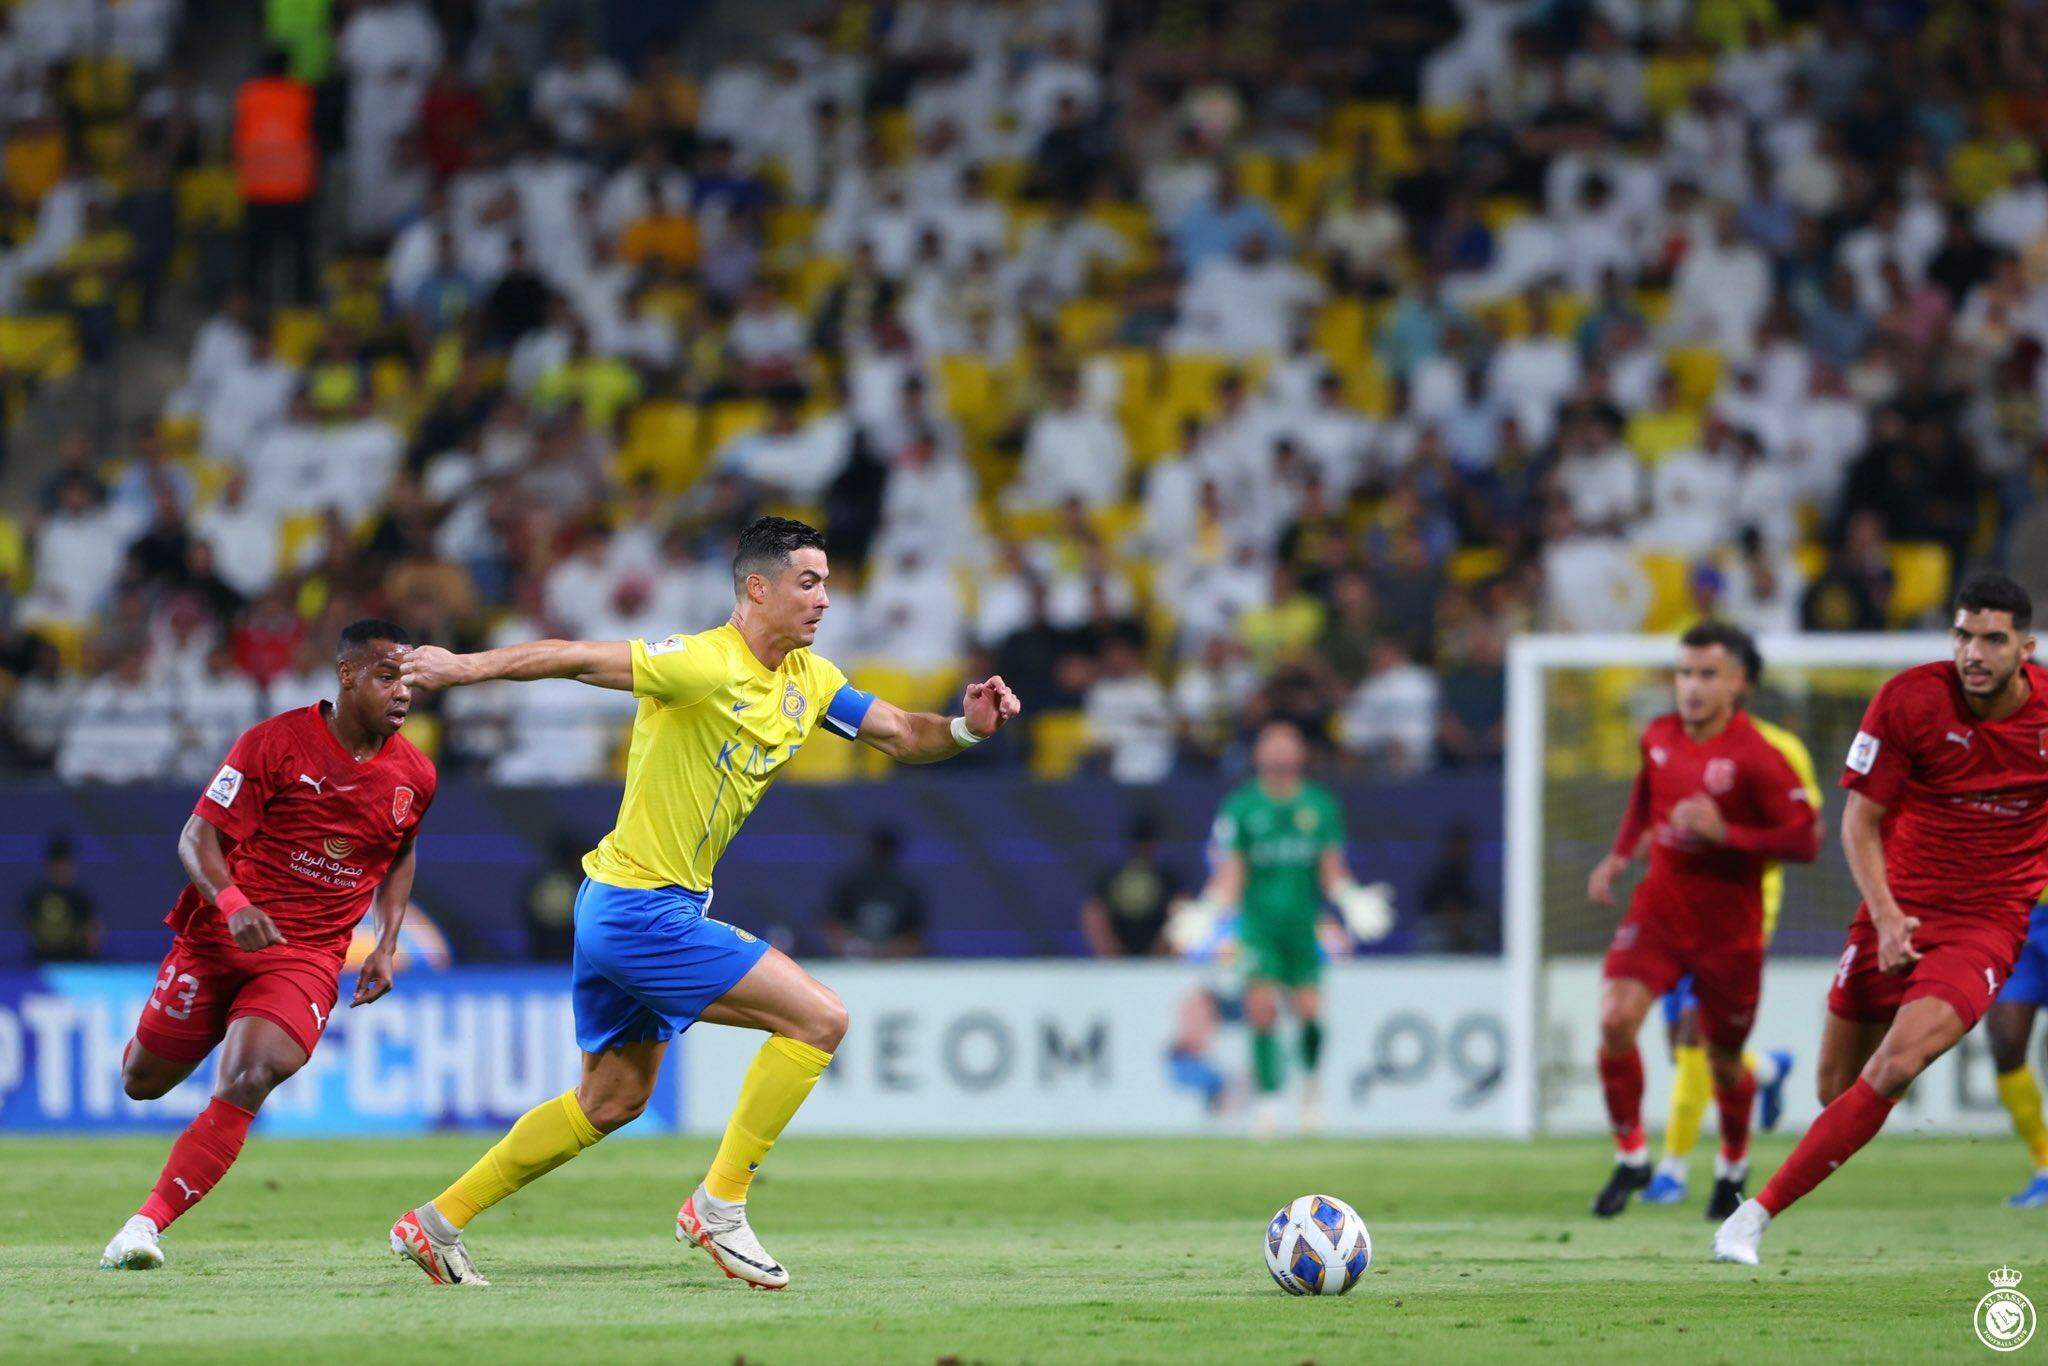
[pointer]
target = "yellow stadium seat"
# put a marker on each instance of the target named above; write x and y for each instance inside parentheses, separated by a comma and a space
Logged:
(1654, 305)
(68, 637)
(790, 225)
(1086, 324)
(1475, 564)
(1340, 331)
(1696, 370)
(1368, 388)
(1812, 559)
(1500, 211)
(296, 332)
(893, 134)
(731, 418)
(42, 345)
(912, 689)
(180, 433)
(813, 278)
(1132, 222)
(969, 390)
(1442, 120)
(663, 442)
(1023, 220)
(209, 477)
(1920, 580)
(1258, 176)
(1059, 742)
(296, 531)
(1191, 382)
(1004, 177)
(1670, 602)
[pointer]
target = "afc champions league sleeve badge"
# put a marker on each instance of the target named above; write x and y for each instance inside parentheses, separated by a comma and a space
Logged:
(2005, 1318)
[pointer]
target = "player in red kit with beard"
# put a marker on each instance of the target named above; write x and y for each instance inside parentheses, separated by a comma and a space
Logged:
(1719, 800)
(1947, 836)
(309, 824)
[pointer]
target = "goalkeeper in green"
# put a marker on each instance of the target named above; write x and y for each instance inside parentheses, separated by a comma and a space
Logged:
(1279, 852)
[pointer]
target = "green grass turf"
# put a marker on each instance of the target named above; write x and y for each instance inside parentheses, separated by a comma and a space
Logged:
(1000, 1250)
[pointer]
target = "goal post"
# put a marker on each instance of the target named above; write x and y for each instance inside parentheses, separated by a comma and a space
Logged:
(1576, 705)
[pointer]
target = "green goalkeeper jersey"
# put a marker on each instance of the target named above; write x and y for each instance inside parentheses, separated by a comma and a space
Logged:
(1282, 844)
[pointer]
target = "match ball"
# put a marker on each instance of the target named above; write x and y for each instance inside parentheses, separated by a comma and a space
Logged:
(1317, 1245)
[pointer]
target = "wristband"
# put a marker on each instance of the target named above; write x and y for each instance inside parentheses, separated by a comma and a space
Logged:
(964, 737)
(230, 899)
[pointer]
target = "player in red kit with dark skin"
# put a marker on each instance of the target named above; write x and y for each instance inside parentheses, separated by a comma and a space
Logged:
(1717, 802)
(309, 824)
(1947, 836)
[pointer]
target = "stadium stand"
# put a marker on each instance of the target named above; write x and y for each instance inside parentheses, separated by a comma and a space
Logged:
(1119, 346)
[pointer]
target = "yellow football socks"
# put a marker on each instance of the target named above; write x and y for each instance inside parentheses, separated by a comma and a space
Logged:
(544, 1138)
(2021, 1096)
(782, 1074)
(1692, 1086)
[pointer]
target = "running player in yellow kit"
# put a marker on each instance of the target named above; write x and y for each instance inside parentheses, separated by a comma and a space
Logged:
(720, 713)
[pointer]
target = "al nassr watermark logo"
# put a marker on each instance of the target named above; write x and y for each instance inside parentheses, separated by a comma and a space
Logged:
(2005, 1318)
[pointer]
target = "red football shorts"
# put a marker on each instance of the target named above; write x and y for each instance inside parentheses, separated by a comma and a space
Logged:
(203, 988)
(1727, 980)
(1964, 964)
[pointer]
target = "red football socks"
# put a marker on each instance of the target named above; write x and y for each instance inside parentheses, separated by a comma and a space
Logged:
(198, 1160)
(1851, 1120)
(1621, 1081)
(1735, 1103)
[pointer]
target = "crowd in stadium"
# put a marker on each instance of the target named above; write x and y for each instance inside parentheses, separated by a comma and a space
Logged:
(1187, 364)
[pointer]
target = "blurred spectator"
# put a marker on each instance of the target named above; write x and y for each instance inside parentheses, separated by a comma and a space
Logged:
(1129, 721)
(875, 910)
(1391, 719)
(547, 905)
(1455, 919)
(58, 914)
(1125, 916)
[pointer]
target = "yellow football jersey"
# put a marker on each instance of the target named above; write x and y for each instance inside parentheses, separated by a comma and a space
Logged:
(714, 727)
(1795, 752)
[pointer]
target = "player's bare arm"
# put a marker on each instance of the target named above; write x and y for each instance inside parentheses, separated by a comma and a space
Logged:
(925, 738)
(206, 863)
(600, 663)
(1863, 842)
(387, 907)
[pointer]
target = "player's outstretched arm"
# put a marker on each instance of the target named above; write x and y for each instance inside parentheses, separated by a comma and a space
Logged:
(1863, 842)
(387, 905)
(922, 737)
(206, 863)
(600, 663)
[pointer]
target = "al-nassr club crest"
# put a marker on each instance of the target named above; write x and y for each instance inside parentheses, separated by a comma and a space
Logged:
(2005, 1318)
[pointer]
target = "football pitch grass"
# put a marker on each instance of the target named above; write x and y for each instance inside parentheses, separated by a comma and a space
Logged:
(1007, 1250)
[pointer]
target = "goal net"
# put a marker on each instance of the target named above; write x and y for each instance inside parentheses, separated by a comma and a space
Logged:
(1576, 707)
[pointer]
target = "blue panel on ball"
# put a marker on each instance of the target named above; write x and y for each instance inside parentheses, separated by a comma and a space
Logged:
(1329, 1216)
(1308, 1267)
(1273, 1232)
(1360, 1260)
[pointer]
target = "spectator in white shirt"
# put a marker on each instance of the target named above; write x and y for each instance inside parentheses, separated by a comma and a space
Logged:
(1590, 582)
(1391, 719)
(1242, 305)
(124, 730)
(911, 614)
(789, 457)
(1130, 721)
(577, 93)
(1721, 291)
(1071, 451)
(244, 403)
(77, 558)
(1692, 494)
(1598, 476)
(244, 539)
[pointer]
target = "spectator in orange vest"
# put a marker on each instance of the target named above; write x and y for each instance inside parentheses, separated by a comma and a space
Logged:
(277, 168)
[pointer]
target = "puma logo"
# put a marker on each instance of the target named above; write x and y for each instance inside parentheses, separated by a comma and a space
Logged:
(310, 781)
(1960, 737)
(319, 1020)
(179, 1182)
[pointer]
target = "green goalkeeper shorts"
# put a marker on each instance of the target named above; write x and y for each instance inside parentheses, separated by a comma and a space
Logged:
(1287, 954)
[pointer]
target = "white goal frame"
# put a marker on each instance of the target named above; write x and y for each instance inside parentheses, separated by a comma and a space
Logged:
(1530, 660)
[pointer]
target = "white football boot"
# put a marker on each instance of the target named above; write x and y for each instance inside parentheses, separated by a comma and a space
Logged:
(721, 1229)
(418, 1235)
(134, 1248)
(1737, 1238)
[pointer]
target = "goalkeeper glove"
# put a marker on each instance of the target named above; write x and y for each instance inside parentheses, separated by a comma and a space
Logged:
(1368, 911)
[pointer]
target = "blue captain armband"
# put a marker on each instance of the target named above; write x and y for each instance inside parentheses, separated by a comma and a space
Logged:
(848, 709)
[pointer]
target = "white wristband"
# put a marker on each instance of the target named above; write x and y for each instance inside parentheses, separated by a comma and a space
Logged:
(964, 737)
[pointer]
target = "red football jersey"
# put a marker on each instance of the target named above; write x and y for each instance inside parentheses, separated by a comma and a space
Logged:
(1966, 800)
(309, 831)
(1715, 891)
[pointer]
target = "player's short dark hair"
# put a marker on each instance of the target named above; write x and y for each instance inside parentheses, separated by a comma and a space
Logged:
(1991, 591)
(358, 635)
(766, 545)
(1739, 644)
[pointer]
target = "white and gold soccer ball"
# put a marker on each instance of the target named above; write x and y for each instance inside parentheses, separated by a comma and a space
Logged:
(1317, 1245)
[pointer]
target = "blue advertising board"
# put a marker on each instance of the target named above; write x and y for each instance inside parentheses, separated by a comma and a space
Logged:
(466, 1048)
